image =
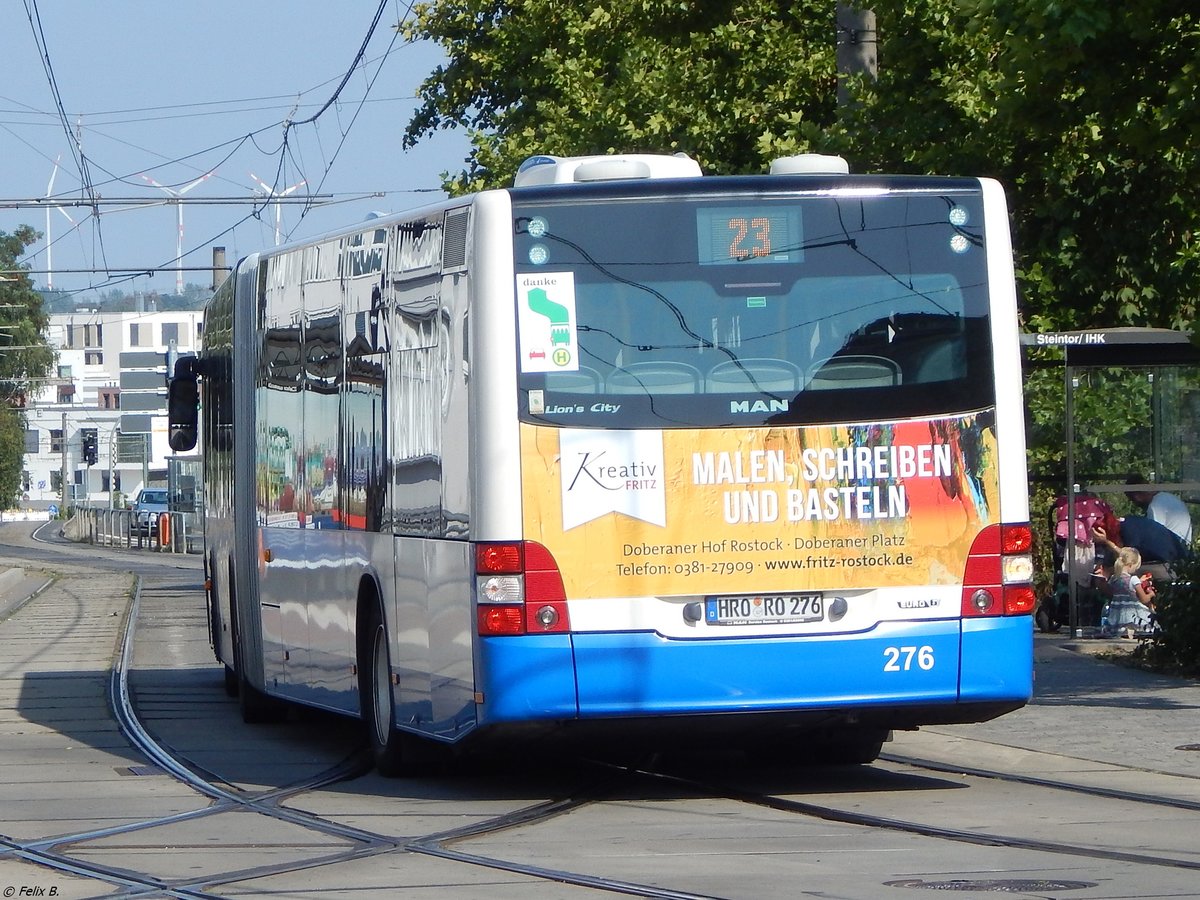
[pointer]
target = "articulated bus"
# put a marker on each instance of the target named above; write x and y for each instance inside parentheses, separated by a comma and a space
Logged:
(625, 451)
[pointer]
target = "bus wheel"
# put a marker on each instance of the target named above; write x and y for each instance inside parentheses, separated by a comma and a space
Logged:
(214, 623)
(256, 706)
(850, 748)
(375, 691)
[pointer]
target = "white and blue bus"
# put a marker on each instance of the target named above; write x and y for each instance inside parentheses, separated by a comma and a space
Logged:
(626, 450)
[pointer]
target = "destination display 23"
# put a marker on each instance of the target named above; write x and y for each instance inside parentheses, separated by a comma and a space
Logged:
(771, 609)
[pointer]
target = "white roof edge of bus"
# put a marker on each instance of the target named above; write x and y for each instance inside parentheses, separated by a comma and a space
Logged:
(810, 164)
(617, 167)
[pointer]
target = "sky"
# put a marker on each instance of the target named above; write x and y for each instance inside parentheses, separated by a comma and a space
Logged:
(172, 92)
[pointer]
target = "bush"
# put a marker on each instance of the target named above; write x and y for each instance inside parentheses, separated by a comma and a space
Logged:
(1176, 646)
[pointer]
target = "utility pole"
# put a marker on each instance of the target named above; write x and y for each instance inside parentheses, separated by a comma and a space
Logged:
(63, 446)
(112, 466)
(857, 53)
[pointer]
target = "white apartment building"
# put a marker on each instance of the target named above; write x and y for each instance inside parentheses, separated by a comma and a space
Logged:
(84, 395)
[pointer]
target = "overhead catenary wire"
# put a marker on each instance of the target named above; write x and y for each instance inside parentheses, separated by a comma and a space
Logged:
(74, 140)
(354, 65)
(359, 109)
(288, 152)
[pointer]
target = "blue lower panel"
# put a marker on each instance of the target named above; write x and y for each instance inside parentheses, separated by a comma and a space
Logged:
(643, 673)
(997, 661)
(637, 674)
(526, 679)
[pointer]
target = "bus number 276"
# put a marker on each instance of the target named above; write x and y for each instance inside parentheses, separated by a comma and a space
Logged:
(900, 659)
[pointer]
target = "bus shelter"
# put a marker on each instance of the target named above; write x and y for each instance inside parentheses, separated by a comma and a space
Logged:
(1131, 418)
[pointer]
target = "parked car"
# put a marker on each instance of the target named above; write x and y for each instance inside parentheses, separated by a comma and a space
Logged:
(149, 503)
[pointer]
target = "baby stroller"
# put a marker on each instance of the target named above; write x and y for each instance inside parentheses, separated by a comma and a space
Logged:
(1085, 568)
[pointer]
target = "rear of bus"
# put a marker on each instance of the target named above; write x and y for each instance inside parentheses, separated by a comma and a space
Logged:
(771, 456)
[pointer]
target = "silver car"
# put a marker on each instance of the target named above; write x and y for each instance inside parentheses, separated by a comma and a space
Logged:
(149, 503)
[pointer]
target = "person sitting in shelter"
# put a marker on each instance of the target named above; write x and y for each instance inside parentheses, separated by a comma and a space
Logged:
(1163, 535)
(1164, 508)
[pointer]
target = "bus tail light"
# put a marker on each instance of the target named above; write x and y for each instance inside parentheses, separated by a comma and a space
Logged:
(519, 590)
(998, 577)
(501, 619)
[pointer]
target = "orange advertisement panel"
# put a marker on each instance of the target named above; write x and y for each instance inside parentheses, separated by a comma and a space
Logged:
(685, 512)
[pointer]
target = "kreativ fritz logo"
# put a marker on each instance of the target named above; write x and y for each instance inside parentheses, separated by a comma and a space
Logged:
(612, 471)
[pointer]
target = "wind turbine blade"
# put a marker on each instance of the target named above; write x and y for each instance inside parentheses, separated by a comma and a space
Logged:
(262, 184)
(53, 175)
(184, 190)
(156, 184)
(65, 213)
(294, 187)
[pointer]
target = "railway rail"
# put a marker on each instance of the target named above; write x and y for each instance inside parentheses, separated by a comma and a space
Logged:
(1029, 823)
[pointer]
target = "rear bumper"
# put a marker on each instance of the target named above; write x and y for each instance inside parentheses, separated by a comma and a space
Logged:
(901, 674)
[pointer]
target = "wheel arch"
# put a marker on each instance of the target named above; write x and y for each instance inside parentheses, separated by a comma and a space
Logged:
(368, 605)
(369, 601)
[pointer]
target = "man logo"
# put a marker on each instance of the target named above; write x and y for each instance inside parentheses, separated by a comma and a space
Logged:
(758, 406)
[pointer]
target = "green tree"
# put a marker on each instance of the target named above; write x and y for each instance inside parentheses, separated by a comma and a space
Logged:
(12, 455)
(1089, 113)
(715, 79)
(25, 358)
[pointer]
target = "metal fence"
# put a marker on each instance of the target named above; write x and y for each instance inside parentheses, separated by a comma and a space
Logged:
(169, 532)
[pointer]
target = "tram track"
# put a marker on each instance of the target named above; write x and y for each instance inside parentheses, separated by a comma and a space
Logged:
(596, 784)
(1042, 782)
(830, 813)
(45, 852)
(51, 853)
(835, 814)
(48, 852)
(441, 845)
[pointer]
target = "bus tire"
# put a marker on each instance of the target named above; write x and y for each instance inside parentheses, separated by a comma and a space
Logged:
(843, 747)
(256, 706)
(214, 623)
(375, 695)
(852, 748)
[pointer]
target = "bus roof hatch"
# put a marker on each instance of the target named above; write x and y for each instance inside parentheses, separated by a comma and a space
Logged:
(621, 167)
(810, 164)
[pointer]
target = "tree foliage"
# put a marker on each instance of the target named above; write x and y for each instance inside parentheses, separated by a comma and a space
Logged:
(25, 358)
(716, 79)
(1175, 646)
(1087, 111)
(12, 455)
